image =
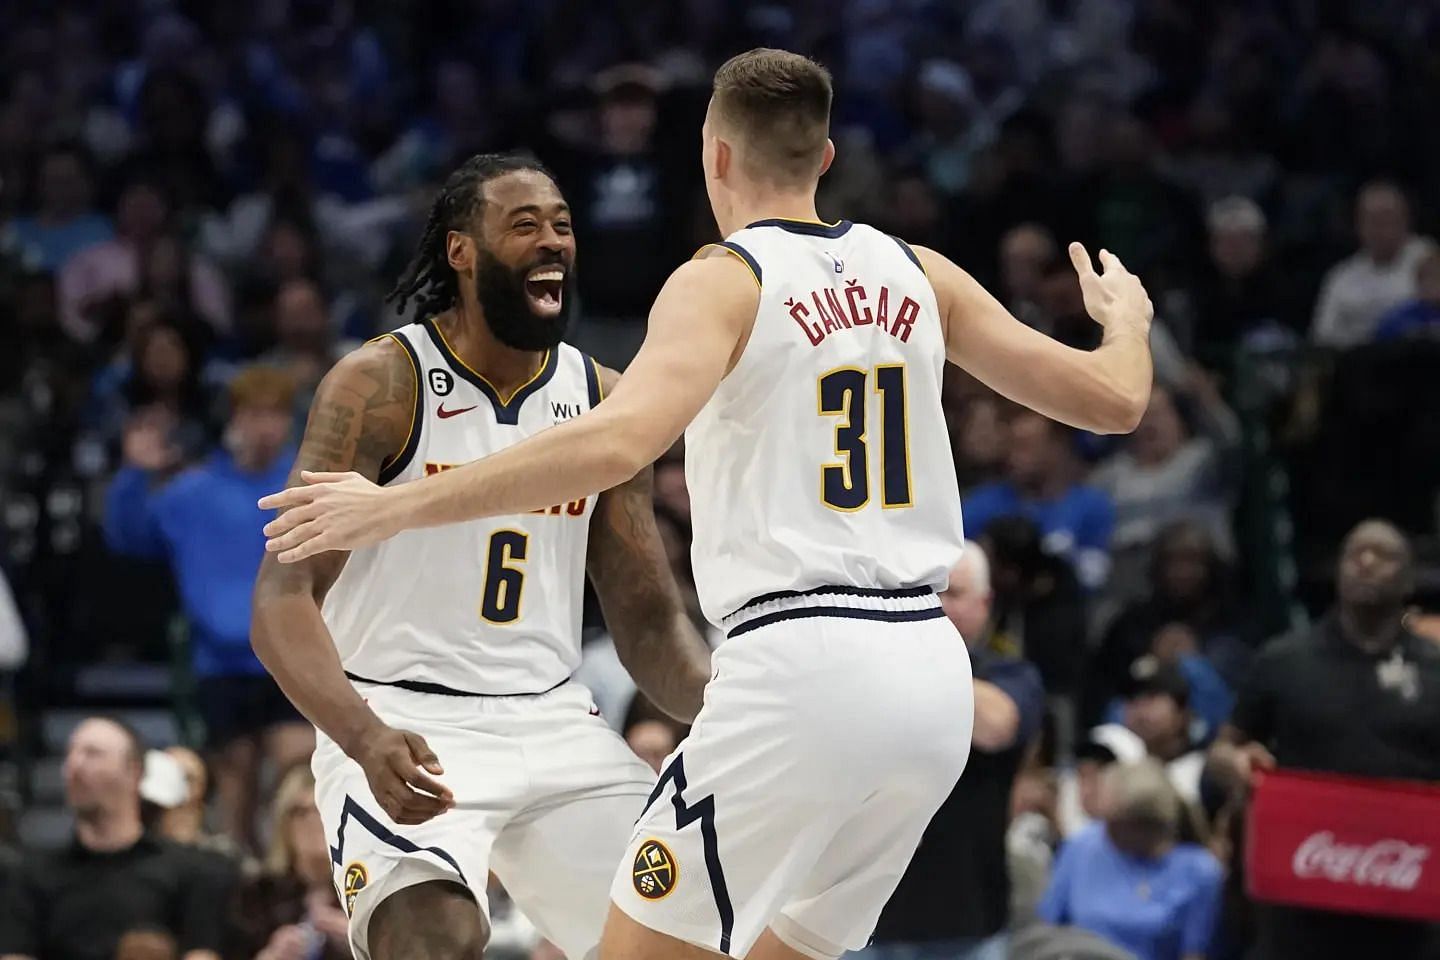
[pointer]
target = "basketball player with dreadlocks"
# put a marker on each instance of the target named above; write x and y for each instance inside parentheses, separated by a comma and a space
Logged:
(456, 644)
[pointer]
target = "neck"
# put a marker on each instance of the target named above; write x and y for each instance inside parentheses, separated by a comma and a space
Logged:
(183, 824)
(106, 831)
(470, 337)
(769, 205)
(1372, 629)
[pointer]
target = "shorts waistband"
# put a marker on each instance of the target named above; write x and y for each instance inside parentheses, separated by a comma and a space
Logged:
(857, 603)
(425, 686)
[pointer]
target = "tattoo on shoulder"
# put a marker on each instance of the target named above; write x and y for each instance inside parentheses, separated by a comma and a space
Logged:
(362, 411)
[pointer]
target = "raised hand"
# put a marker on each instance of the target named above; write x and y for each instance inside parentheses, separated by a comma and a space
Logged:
(1115, 298)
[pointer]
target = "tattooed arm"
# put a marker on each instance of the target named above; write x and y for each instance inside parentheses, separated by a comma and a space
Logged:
(654, 636)
(360, 417)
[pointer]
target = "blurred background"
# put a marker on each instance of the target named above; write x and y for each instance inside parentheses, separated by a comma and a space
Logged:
(202, 205)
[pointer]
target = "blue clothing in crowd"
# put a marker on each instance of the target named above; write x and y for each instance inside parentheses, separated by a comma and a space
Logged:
(1414, 319)
(1077, 525)
(206, 523)
(1161, 909)
(47, 247)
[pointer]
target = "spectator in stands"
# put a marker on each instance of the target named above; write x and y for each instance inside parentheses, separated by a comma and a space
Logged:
(206, 522)
(966, 839)
(65, 220)
(1359, 695)
(77, 903)
(1039, 614)
(1170, 470)
(1075, 520)
(157, 386)
(627, 196)
(306, 345)
(1026, 253)
(1129, 880)
(147, 943)
(1240, 290)
(1189, 586)
(118, 267)
(291, 909)
(977, 439)
(185, 821)
(1418, 318)
(1156, 709)
(1359, 290)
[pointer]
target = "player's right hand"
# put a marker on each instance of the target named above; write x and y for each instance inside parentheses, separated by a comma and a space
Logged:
(1115, 297)
(398, 764)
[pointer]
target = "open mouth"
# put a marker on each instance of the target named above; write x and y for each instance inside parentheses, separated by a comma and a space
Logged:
(545, 289)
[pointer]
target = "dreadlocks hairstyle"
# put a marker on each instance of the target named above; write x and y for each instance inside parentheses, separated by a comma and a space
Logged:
(428, 278)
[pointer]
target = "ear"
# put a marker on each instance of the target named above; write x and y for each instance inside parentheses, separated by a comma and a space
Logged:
(723, 158)
(829, 156)
(459, 251)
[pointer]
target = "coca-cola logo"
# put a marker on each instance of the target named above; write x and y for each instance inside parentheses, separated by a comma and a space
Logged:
(1386, 863)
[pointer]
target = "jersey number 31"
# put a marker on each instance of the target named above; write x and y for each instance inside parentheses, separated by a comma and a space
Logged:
(845, 485)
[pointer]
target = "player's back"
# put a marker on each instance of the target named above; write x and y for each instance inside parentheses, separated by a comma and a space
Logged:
(823, 459)
(487, 606)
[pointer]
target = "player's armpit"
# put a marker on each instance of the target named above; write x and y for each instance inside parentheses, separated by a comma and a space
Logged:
(360, 417)
(654, 636)
(1105, 390)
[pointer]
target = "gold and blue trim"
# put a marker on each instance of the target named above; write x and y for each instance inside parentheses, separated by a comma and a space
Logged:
(914, 258)
(809, 228)
(593, 385)
(393, 466)
(507, 409)
(740, 253)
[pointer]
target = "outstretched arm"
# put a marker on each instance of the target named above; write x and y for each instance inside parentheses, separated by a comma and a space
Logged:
(1104, 390)
(654, 636)
(360, 417)
(695, 332)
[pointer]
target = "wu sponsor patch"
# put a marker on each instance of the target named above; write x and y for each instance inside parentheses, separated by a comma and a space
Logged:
(356, 877)
(655, 871)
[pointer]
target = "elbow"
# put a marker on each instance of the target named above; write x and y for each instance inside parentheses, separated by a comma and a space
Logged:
(1120, 411)
(625, 452)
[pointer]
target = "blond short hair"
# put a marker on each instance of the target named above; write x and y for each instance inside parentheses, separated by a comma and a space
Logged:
(779, 103)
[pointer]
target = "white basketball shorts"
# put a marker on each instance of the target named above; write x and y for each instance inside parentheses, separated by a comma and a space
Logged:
(546, 798)
(837, 723)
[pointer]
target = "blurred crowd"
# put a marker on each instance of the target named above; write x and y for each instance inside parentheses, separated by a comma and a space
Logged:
(202, 205)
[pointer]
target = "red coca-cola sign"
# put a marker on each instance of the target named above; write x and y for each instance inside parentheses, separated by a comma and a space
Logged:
(1345, 844)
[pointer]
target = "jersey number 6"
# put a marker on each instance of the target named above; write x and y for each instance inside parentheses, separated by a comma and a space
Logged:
(842, 393)
(504, 576)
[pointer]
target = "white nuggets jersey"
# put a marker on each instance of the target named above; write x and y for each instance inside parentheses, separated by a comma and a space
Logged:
(823, 459)
(483, 607)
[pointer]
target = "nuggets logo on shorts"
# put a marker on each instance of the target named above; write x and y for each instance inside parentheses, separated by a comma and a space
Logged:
(655, 871)
(355, 879)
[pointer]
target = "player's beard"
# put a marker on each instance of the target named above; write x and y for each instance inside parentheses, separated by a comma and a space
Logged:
(500, 291)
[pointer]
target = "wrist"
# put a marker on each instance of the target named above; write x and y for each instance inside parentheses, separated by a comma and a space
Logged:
(402, 509)
(359, 733)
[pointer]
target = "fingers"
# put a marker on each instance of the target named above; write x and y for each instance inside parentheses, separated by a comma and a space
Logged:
(417, 780)
(291, 538)
(422, 754)
(317, 544)
(409, 808)
(1080, 257)
(291, 519)
(290, 497)
(320, 476)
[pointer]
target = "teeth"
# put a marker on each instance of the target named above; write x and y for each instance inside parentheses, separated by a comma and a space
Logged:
(548, 275)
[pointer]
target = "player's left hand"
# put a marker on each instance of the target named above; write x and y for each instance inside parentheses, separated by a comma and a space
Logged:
(330, 511)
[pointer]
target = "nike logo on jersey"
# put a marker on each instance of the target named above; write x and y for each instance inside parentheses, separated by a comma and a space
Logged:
(444, 414)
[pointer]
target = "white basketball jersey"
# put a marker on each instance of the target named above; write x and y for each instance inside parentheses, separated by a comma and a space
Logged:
(823, 459)
(487, 606)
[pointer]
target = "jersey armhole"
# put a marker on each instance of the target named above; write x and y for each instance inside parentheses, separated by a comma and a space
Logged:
(905, 248)
(594, 386)
(394, 465)
(737, 251)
